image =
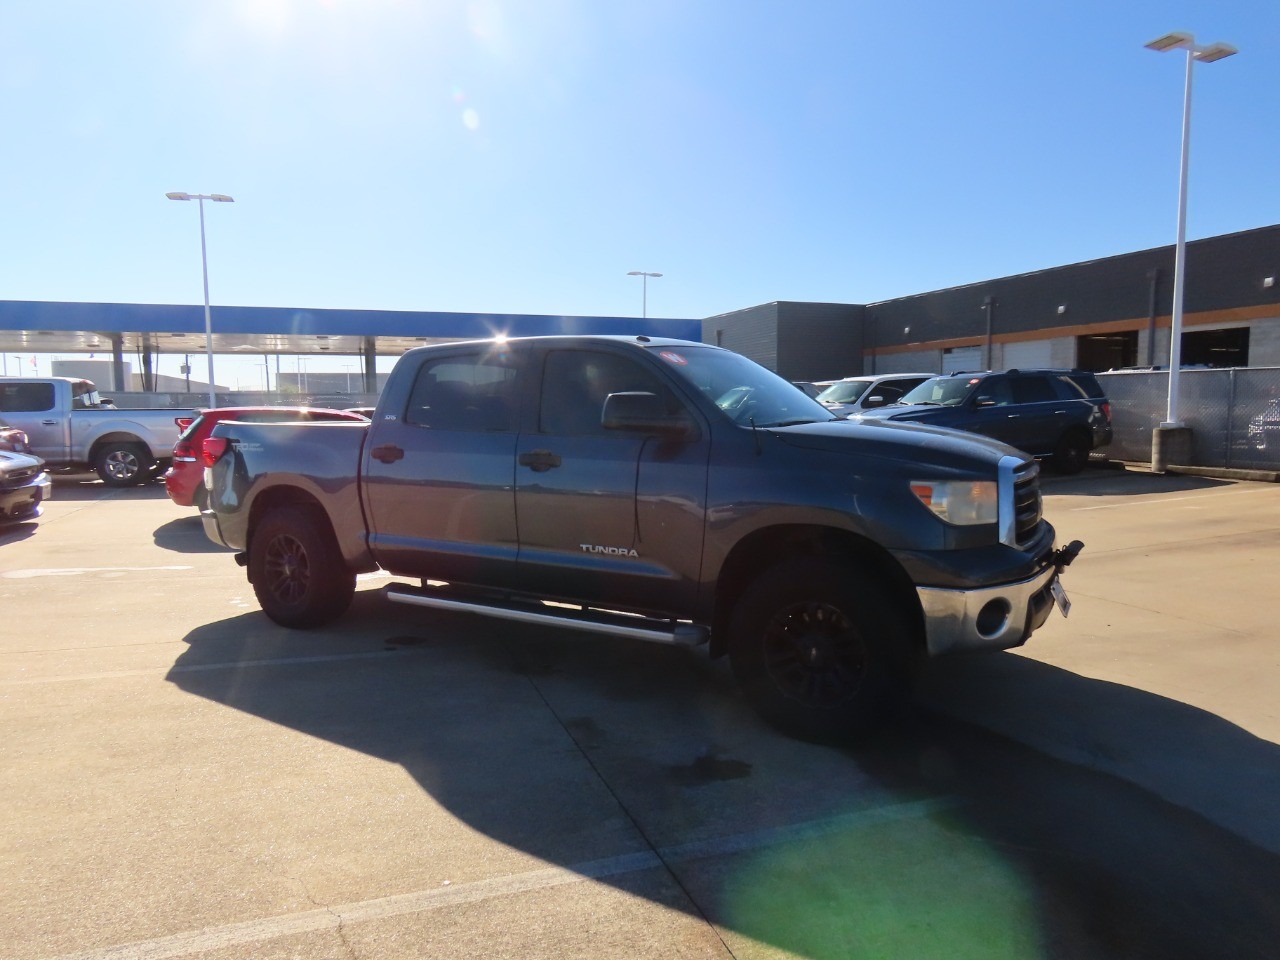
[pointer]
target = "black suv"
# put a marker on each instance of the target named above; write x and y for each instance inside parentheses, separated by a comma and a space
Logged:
(1060, 414)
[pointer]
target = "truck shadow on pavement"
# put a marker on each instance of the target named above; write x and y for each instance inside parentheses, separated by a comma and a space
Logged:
(186, 535)
(937, 839)
(14, 532)
(86, 488)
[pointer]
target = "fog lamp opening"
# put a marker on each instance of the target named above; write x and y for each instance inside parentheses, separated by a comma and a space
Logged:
(993, 617)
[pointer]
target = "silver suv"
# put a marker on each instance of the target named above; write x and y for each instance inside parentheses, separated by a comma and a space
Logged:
(852, 395)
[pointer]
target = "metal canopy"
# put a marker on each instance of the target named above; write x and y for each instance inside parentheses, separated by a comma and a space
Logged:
(35, 326)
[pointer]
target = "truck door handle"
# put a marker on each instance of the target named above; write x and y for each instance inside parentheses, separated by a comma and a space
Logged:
(539, 460)
(49, 423)
(387, 453)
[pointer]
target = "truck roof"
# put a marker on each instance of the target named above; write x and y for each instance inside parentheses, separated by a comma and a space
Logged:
(639, 340)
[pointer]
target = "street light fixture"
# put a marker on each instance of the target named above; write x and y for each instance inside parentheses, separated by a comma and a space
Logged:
(644, 303)
(1207, 54)
(204, 266)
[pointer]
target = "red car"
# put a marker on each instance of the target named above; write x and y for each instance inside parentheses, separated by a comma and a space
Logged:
(184, 481)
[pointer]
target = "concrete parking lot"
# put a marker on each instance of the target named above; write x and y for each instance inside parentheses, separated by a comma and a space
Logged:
(183, 778)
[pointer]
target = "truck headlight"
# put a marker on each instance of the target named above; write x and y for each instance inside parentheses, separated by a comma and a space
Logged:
(961, 502)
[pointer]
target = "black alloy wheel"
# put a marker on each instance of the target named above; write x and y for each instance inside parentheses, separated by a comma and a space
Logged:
(297, 570)
(821, 649)
(814, 654)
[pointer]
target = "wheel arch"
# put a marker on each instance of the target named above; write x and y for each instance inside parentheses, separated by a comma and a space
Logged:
(770, 546)
(345, 526)
(283, 496)
(118, 437)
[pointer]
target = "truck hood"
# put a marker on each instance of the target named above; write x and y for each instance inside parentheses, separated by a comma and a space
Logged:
(936, 446)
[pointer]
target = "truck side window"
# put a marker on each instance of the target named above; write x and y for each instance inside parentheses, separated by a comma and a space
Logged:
(575, 384)
(464, 393)
(26, 397)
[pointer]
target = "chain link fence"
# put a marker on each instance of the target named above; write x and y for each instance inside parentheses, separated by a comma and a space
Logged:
(1234, 415)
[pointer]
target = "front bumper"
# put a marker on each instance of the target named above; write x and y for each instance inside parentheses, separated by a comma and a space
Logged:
(990, 618)
(25, 501)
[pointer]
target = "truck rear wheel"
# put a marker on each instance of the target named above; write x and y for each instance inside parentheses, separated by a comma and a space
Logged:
(123, 464)
(820, 650)
(297, 570)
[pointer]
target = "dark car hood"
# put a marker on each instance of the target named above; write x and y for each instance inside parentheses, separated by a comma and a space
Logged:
(896, 440)
(11, 462)
(900, 411)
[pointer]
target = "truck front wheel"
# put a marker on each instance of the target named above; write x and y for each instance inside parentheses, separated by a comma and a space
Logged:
(819, 649)
(123, 464)
(297, 570)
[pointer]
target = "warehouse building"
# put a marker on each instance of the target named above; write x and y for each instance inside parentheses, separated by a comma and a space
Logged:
(1098, 315)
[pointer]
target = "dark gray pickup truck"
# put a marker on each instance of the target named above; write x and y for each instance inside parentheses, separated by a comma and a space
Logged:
(651, 489)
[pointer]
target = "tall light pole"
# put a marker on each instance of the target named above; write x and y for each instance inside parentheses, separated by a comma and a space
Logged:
(1215, 51)
(644, 302)
(204, 266)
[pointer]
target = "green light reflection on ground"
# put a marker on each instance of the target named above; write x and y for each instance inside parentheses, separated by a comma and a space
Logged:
(914, 889)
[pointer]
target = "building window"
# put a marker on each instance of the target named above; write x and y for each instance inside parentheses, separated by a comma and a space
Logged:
(1216, 348)
(1107, 351)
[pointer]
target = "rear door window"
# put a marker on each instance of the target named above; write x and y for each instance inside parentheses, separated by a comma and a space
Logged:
(476, 393)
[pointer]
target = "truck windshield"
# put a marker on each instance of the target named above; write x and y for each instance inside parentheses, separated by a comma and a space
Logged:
(744, 391)
(846, 391)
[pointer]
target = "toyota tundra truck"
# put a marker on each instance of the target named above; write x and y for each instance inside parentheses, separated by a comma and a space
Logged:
(653, 489)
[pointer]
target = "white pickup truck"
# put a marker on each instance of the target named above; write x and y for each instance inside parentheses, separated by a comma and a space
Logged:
(72, 428)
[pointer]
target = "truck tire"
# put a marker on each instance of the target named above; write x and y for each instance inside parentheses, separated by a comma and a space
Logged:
(297, 570)
(1072, 452)
(123, 464)
(820, 650)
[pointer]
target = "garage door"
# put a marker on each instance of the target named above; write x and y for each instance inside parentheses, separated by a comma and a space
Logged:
(962, 358)
(1027, 355)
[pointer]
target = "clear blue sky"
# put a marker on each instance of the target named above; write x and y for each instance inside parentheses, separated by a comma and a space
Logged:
(522, 155)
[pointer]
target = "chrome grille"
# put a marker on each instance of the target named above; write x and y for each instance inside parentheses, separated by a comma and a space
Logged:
(16, 478)
(1027, 506)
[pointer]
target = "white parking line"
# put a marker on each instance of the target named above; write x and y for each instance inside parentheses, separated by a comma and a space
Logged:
(1164, 500)
(81, 571)
(331, 918)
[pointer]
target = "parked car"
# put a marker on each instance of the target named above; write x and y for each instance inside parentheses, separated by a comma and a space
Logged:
(13, 440)
(1264, 428)
(24, 487)
(184, 480)
(1059, 414)
(854, 394)
(72, 428)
